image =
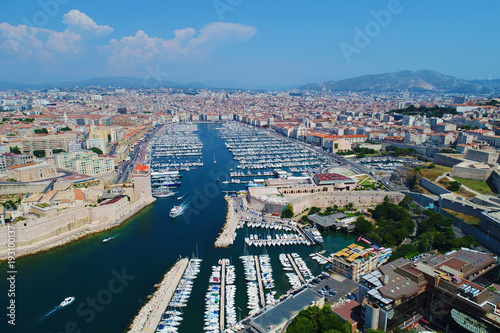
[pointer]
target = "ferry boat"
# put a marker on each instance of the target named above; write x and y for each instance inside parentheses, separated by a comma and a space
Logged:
(314, 234)
(67, 301)
(176, 211)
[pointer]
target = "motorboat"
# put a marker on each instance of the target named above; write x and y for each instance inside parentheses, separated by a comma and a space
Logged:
(67, 301)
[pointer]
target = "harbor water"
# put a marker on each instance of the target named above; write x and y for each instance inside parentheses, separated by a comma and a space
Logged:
(111, 281)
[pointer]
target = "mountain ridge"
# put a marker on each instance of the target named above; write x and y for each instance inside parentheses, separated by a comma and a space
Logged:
(413, 81)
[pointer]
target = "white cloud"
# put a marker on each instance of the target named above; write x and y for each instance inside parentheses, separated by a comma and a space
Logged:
(79, 21)
(140, 49)
(64, 42)
(73, 47)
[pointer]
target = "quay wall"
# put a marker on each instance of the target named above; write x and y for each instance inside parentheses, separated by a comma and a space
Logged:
(47, 232)
(328, 199)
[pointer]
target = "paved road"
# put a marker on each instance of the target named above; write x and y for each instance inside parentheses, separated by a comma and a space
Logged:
(138, 157)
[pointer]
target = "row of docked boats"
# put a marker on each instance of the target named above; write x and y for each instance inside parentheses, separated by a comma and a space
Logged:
(268, 225)
(230, 308)
(172, 317)
(178, 148)
(301, 265)
(293, 278)
(212, 302)
(256, 148)
(266, 271)
(278, 240)
(252, 285)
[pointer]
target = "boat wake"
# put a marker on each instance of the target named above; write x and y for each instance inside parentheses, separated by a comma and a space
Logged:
(48, 314)
(105, 240)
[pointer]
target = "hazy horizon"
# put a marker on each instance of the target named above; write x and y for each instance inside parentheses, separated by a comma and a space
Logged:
(246, 43)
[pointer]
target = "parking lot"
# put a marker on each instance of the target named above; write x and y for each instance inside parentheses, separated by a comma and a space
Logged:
(335, 289)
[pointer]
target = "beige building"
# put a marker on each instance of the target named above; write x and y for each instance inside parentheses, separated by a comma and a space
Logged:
(336, 145)
(31, 172)
(85, 162)
(354, 261)
(43, 142)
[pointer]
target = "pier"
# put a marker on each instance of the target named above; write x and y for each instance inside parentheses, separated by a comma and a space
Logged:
(228, 234)
(306, 236)
(266, 173)
(296, 269)
(259, 279)
(149, 316)
(222, 295)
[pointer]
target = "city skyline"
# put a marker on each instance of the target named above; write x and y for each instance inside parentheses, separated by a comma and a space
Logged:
(244, 43)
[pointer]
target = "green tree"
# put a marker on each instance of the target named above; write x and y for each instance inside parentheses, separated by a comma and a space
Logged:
(15, 150)
(287, 212)
(454, 186)
(349, 206)
(363, 226)
(41, 131)
(314, 210)
(96, 150)
(39, 153)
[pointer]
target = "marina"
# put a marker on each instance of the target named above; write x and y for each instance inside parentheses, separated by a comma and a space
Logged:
(254, 148)
(178, 148)
(151, 234)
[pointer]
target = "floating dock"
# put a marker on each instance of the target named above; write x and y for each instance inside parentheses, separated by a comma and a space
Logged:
(222, 301)
(259, 279)
(303, 233)
(149, 316)
(297, 271)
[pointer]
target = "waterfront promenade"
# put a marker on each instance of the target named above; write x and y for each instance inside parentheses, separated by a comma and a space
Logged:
(149, 316)
(228, 234)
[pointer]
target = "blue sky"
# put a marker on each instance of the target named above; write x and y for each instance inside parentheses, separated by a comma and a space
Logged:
(251, 42)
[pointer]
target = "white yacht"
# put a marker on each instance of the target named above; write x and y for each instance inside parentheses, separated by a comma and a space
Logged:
(176, 211)
(67, 301)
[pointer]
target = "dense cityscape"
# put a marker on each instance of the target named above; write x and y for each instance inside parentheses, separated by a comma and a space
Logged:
(217, 167)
